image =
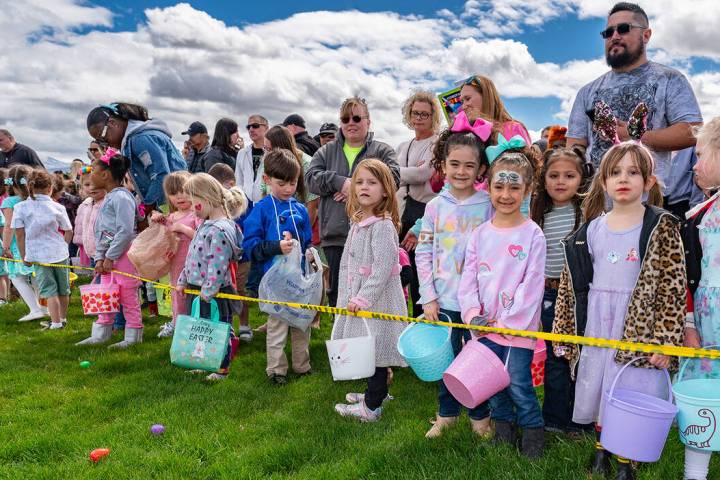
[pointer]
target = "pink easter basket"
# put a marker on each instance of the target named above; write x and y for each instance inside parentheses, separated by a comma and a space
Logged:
(100, 298)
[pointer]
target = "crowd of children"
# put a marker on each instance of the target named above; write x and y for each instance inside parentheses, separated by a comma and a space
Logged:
(606, 263)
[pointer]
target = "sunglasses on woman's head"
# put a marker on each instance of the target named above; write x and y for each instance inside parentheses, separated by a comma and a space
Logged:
(354, 118)
(253, 125)
(471, 80)
(622, 29)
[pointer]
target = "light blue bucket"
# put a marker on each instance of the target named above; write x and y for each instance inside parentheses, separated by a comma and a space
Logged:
(427, 349)
(698, 401)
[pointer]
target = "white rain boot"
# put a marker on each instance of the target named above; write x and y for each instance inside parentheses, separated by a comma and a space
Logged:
(100, 333)
(132, 336)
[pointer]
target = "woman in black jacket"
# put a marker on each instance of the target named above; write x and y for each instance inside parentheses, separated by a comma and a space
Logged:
(224, 145)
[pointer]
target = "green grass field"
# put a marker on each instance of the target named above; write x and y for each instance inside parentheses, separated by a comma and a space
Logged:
(53, 413)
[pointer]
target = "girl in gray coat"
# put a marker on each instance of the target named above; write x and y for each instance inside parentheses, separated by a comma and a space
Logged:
(370, 280)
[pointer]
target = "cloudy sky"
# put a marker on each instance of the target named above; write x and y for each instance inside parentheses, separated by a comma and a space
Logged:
(203, 60)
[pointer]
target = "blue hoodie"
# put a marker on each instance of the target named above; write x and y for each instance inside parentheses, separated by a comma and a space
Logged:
(264, 227)
(152, 156)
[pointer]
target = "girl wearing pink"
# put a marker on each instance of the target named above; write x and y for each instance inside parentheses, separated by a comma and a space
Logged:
(183, 221)
(84, 234)
(502, 285)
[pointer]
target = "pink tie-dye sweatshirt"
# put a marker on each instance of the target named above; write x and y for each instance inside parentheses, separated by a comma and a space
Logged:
(440, 252)
(504, 279)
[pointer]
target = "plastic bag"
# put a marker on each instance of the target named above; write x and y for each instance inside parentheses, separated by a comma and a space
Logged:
(286, 282)
(152, 251)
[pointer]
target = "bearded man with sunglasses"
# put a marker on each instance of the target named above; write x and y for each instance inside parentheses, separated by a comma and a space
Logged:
(329, 177)
(672, 106)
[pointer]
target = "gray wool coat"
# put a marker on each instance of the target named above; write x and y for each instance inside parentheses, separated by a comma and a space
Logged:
(370, 277)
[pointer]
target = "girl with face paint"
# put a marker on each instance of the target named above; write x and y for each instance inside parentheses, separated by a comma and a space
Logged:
(217, 242)
(502, 285)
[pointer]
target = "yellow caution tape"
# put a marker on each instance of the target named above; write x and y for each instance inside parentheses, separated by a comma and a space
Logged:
(669, 350)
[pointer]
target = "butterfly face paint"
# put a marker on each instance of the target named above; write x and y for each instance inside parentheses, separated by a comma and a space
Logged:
(508, 176)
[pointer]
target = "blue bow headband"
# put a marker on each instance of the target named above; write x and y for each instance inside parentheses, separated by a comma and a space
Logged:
(8, 181)
(23, 181)
(504, 145)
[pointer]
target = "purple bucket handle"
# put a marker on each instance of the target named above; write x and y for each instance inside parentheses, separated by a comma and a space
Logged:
(98, 277)
(619, 374)
(687, 360)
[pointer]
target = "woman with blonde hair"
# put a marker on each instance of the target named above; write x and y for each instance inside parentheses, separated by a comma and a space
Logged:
(421, 113)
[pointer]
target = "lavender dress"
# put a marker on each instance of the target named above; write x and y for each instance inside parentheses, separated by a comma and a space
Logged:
(616, 265)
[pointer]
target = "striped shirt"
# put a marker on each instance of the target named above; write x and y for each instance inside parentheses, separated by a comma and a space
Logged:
(558, 224)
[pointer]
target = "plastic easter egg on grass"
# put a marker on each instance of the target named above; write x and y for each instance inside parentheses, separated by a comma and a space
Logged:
(157, 429)
(85, 364)
(99, 453)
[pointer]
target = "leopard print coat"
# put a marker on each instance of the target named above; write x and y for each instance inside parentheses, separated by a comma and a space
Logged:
(656, 312)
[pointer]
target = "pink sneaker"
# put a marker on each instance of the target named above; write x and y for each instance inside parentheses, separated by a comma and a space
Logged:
(359, 411)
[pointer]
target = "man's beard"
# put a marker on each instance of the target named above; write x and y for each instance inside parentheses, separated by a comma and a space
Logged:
(627, 57)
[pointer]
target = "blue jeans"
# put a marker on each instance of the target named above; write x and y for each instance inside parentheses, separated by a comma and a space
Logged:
(518, 403)
(449, 406)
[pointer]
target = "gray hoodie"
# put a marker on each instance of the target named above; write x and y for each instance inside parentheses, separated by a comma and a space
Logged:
(115, 224)
(327, 174)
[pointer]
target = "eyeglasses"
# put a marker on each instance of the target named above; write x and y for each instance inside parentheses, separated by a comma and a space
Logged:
(327, 135)
(622, 29)
(354, 118)
(254, 125)
(420, 115)
(93, 149)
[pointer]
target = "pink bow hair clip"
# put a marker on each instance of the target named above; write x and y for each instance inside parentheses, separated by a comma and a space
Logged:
(109, 153)
(481, 128)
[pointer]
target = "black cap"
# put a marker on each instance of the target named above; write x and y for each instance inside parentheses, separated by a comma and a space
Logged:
(328, 128)
(294, 119)
(195, 128)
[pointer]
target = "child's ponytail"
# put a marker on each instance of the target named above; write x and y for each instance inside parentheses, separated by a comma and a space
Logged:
(19, 175)
(594, 203)
(39, 181)
(234, 202)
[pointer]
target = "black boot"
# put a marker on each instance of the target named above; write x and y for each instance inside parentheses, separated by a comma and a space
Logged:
(505, 432)
(533, 442)
(601, 461)
(624, 470)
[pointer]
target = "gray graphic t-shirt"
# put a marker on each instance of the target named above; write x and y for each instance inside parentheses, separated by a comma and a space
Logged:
(665, 91)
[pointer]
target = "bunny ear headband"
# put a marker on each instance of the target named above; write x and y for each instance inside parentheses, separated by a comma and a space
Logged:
(605, 123)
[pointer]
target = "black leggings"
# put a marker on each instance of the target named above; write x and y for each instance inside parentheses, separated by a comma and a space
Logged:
(377, 388)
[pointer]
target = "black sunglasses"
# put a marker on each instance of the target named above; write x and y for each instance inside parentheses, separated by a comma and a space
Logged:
(254, 125)
(91, 149)
(622, 29)
(354, 118)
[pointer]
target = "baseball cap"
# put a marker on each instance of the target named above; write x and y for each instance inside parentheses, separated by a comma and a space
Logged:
(294, 119)
(195, 128)
(328, 128)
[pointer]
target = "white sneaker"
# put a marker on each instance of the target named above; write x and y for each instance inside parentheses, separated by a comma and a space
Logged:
(353, 397)
(33, 316)
(166, 330)
(56, 326)
(245, 334)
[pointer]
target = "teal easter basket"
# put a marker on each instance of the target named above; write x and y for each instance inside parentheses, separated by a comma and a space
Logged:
(199, 343)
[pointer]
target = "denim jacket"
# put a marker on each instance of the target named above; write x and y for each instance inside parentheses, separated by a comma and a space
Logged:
(152, 156)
